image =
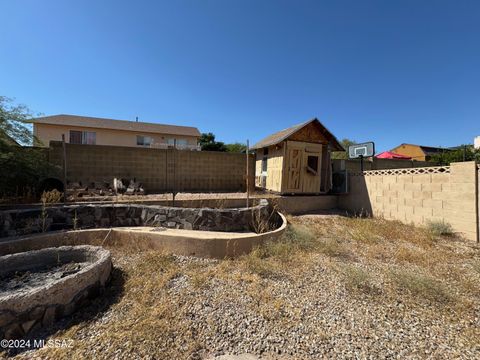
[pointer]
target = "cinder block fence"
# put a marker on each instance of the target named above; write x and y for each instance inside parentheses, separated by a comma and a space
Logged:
(159, 170)
(419, 195)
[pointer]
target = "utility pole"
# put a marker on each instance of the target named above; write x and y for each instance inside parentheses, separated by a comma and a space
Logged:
(64, 169)
(248, 184)
(174, 169)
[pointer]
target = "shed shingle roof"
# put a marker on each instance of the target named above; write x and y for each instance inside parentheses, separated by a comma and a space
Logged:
(285, 133)
(101, 123)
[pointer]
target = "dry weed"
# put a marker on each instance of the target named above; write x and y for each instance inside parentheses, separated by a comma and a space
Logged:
(358, 279)
(421, 285)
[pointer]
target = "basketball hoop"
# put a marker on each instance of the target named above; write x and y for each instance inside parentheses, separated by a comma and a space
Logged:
(360, 151)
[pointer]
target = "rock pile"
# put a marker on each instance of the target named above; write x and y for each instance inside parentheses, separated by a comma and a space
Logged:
(102, 188)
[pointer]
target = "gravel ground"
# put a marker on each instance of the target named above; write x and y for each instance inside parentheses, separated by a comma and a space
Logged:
(178, 196)
(298, 308)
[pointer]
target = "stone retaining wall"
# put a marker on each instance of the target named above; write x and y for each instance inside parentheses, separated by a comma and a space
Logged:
(27, 221)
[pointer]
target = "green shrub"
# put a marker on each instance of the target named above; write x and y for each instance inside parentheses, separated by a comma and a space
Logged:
(421, 285)
(359, 279)
(440, 228)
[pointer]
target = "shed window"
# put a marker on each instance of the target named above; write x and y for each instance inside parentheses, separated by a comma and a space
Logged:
(312, 164)
(264, 164)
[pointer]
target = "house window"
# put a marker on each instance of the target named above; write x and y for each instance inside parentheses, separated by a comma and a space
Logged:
(312, 164)
(83, 137)
(89, 137)
(75, 137)
(177, 142)
(144, 140)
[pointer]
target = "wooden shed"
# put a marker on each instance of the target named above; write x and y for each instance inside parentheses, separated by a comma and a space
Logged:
(296, 160)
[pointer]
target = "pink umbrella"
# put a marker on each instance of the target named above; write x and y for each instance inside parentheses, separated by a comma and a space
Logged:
(392, 155)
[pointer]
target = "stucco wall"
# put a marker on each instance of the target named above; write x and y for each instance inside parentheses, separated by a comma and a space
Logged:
(417, 196)
(46, 133)
(158, 169)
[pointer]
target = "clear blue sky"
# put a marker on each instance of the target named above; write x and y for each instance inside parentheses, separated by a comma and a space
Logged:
(387, 71)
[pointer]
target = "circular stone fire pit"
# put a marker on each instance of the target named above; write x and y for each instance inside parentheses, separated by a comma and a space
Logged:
(38, 287)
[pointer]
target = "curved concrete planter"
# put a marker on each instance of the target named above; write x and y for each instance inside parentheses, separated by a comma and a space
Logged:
(208, 244)
(24, 309)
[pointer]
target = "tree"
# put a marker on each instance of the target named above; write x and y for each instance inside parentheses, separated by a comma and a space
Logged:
(343, 154)
(22, 167)
(14, 120)
(207, 143)
(459, 154)
(236, 147)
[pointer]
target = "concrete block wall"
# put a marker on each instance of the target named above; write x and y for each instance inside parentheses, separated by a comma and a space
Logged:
(448, 194)
(159, 170)
(377, 164)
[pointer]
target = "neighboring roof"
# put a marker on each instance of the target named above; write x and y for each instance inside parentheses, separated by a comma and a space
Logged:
(392, 155)
(101, 123)
(427, 150)
(282, 135)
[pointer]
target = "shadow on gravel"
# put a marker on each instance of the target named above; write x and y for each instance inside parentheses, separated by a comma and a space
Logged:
(95, 309)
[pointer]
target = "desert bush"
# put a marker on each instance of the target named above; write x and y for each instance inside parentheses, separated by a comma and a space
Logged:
(51, 197)
(296, 238)
(267, 259)
(440, 228)
(48, 197)
(412, 254)
(476, 266)
(333, 248)
(264, 219)
(260, 266)
(421, 285)
(358, 279)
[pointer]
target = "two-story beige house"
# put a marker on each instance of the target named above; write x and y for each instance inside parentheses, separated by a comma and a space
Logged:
(99, 131)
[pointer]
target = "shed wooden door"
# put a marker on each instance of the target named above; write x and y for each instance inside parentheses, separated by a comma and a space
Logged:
(294, 170)
(312, 177)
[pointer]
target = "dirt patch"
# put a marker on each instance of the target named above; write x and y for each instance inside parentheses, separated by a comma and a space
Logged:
(37, 277)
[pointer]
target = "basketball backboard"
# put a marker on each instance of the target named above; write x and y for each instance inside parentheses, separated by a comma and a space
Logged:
(361, 150)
